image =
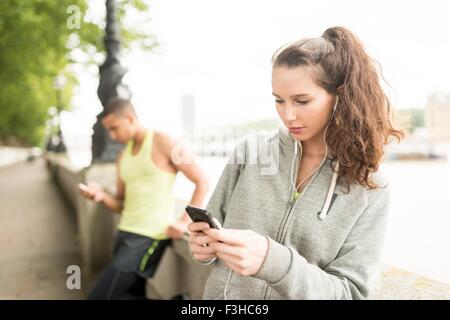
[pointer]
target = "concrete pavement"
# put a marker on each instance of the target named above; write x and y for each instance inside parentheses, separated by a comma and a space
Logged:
(38, 237)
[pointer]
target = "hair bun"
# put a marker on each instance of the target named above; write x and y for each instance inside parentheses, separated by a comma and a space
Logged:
(334, 34)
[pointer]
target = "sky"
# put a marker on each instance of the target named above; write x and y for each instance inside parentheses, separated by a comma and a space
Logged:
(219, 53)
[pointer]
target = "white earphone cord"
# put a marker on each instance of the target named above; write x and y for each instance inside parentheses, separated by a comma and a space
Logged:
(324, 158)
(226, 285)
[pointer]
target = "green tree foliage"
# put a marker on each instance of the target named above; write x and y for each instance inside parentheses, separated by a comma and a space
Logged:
(411, 118)
(37, 38)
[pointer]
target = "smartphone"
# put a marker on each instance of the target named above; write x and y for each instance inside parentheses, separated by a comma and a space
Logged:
(201, 215)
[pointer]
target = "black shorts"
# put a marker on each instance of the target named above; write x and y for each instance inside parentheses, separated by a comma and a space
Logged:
(137, 253)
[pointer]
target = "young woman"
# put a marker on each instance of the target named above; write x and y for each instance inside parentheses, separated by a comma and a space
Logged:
(315, 229)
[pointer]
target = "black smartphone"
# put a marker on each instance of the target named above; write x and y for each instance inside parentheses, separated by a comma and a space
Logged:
(201, 215)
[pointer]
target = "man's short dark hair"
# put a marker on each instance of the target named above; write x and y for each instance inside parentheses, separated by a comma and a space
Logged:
(117, 106)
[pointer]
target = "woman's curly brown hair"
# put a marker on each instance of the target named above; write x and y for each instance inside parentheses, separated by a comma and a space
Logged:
(362, 125)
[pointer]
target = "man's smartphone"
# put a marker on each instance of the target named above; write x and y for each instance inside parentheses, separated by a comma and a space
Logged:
(201, 215)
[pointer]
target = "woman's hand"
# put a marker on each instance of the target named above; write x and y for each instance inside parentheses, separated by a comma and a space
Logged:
(199, 242)
(243, 251)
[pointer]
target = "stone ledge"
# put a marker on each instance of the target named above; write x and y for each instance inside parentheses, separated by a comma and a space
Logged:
(398, 284)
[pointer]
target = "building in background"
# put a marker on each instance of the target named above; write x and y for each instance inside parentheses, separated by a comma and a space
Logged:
(429, 136)
(437, 118)
(437, 122)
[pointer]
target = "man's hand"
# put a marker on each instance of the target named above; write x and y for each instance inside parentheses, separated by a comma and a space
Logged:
(243, 251)
(93, 191)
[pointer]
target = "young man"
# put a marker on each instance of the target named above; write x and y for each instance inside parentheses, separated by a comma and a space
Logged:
(146, 171)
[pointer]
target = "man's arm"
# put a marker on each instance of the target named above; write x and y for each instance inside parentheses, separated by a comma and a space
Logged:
(183, 160)
(96, 193)
(115, 203)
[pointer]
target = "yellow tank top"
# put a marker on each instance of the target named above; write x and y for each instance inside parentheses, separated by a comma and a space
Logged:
(149, 203)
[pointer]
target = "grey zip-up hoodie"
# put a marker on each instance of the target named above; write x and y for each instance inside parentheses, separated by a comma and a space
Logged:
(308, 258)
